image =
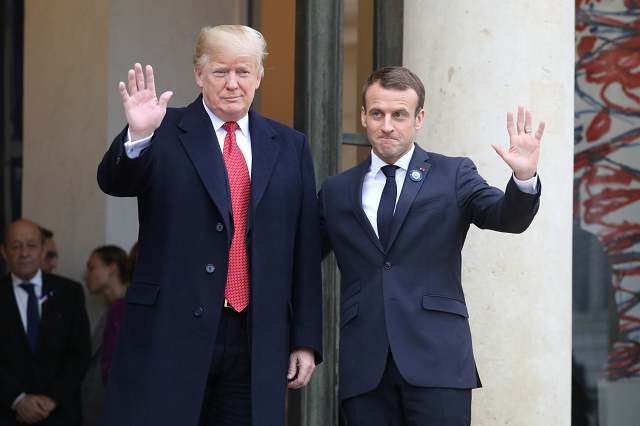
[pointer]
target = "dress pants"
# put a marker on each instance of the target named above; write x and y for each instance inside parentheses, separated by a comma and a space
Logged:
(397, 403)
(227, 395)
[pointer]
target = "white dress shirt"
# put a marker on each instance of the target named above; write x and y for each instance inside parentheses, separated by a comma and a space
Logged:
(243, 138)
(375, 180)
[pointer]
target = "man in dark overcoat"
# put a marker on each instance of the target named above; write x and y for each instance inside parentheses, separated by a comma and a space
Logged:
(224, 311)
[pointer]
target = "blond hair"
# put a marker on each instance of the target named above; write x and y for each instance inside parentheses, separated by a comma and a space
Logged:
(241, 41)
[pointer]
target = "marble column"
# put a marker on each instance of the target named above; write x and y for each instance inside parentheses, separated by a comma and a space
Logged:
(75, 54)
(477, 62)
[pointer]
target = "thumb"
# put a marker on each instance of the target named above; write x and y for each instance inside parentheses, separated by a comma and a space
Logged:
(499, 150)
(292, 367)
(164, 99)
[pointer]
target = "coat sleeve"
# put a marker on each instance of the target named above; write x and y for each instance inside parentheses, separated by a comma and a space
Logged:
(66, 383)
(306, 324)
(487, 207)
(121, 176)
(326, 247)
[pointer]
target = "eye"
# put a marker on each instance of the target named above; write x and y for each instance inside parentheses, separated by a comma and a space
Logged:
(376, 114)
(219, 73)
(399, 115)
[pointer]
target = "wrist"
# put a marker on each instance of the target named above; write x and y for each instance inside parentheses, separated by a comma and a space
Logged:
(524, 176)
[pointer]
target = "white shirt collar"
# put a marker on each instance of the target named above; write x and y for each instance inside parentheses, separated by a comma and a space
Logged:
(36, 280)
(243, 123)
(402, 163)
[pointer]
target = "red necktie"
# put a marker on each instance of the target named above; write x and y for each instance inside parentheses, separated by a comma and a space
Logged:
(237, 290)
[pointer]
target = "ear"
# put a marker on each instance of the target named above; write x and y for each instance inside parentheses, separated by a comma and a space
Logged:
(363, 117)
(258, 80)
(113, 269)
(198, 72)
(419, 119)
(5, 255)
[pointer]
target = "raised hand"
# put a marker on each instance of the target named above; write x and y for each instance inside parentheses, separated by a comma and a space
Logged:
(144, 111)
(524, 148)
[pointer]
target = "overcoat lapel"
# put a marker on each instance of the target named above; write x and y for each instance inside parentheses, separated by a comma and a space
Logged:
(201, 144)
(410, 189)
(356, 202)
(49, 309)
(264, 153)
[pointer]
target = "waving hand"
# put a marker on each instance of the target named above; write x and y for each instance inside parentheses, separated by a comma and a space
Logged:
(143, 109)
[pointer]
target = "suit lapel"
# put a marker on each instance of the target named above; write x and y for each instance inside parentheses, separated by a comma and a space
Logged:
(356, 202)
(264, 153)
(201, 144)
(10, 311)
(409, 190)
(49, 309)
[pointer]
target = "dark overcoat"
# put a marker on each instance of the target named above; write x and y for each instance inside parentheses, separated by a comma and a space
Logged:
(409, 298)
(173, 306)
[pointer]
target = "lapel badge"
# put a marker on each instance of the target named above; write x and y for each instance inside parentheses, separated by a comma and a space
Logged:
(422, 169)
(415, 175)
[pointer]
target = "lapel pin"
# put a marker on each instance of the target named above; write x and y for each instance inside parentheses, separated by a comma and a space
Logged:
(415, 175)
(422, 169)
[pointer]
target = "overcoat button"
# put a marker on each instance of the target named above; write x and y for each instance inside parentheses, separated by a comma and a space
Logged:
(198, 312)
(387, 265)
(117, 160)
(210, 268)
(219, 227)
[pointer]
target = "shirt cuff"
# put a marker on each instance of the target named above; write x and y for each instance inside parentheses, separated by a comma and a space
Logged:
(134, 148)
(527, 186)
(15, 402)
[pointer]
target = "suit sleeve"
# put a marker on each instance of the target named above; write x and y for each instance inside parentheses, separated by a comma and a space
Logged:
(306, 324)
(487, 207)
(121, 176)
(66, 383)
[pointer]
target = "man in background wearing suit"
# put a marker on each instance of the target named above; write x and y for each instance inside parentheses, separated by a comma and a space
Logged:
(225, 307)
(44, 337)
(397, 223)
(49, 252)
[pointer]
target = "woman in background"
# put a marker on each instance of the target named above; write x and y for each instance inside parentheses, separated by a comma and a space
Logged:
(108, 273)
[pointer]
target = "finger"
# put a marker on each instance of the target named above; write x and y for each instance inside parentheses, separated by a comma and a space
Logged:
(511, 127)
(304, 374)
(527, 121)
(520, 122)
(540, 130)
(150, 81)
(164, 99)
(499, 150)
(132, 82)
(139, 77)
(123, 92)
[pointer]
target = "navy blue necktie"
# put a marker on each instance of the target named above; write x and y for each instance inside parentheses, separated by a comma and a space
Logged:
(387, 205)
(33, 316)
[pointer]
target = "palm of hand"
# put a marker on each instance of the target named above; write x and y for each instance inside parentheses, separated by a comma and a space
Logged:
(524, 147)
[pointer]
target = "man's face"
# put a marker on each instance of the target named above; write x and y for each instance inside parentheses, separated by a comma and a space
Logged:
(23, 250)
(229, 85)
(390, 121)
(49, 256)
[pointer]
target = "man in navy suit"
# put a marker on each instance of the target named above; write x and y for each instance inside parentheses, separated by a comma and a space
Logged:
(397, 223)
(224, 310)
(44, 337)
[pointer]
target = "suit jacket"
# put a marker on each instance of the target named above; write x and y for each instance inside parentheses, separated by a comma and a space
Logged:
(170, 323)
(410, 297)
(62, 352)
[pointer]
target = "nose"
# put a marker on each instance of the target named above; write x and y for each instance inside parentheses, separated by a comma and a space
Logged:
(387, 127)
(232, 81)
(85, 276)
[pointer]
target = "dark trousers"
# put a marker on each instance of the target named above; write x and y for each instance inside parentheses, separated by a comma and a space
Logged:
(397, 403)
(227, 395)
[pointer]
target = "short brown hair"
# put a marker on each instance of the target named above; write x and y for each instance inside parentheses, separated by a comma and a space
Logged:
(110, 255)
(397, 78)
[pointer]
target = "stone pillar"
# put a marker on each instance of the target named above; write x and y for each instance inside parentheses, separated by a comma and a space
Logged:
(477, 62)
(76, 52)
